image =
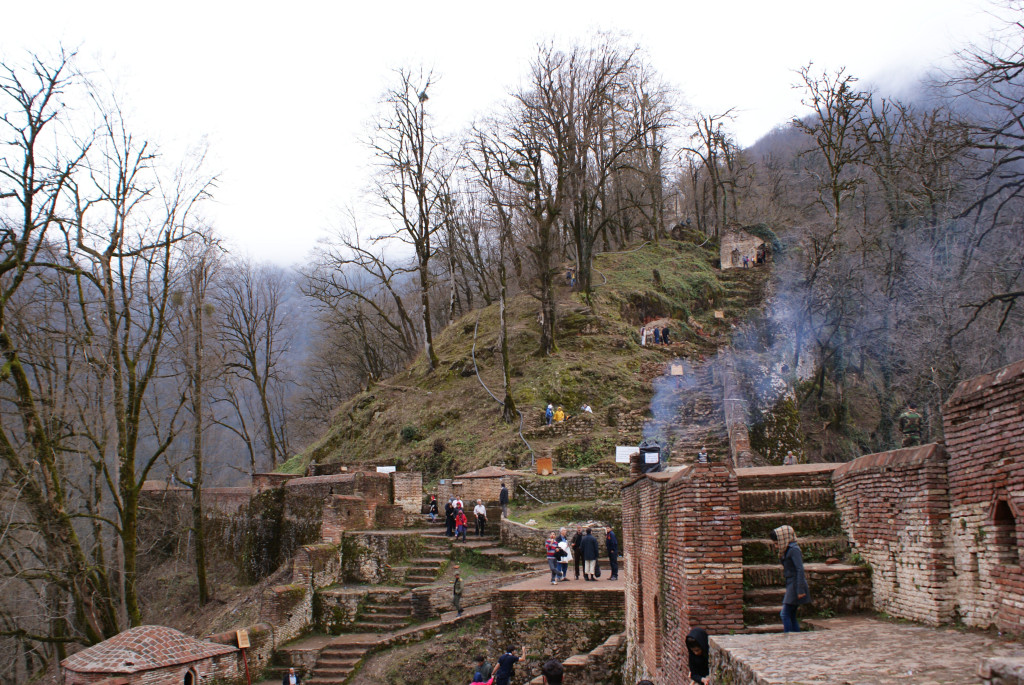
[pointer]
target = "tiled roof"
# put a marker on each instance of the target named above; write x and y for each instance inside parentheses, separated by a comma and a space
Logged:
(142, 649)
(486, 472)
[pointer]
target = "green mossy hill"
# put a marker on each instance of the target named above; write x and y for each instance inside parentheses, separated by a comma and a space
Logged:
(444, 423)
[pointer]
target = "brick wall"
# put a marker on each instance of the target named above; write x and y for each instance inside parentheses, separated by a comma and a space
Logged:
(685, 565)
(531, 540)
(736, 412)
(472, 489)
(369, 485)
(261, 646)
(407, 487)
(600, 666)
(984, 428)
(429, 601)
(266, 481)
(895, 510)
(584, 620)
(215, 668)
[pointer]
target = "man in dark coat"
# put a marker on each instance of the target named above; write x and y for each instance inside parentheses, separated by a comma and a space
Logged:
(611, 543)
(503, 500)
(449, 518)
(577, 557)
(291, 678)
(590, 550)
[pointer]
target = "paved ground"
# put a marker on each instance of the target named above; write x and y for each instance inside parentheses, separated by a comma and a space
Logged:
(542, 583)
(857, 650)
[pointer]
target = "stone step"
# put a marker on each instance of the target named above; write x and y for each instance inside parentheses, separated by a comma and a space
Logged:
(788, 499)
(806, 523)
(786, 477)
(846, 587)
(386, 614)
(762, 550)
(764, 628)
(334, 663)
(364, 626)
(760, 615)
(764, 596)
(497, 552)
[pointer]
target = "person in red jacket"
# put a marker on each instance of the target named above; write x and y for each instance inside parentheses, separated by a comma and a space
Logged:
(460, 524)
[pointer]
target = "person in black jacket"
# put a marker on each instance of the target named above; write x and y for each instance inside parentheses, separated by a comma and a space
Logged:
(698, 656)
(577, 556)
(503, 500)
(590, 550)
(797, 590)
(291, 678)
(611, 543)
(449, 518)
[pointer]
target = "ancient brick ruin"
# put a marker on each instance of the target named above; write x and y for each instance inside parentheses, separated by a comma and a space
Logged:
(936, 527)
(152, 655)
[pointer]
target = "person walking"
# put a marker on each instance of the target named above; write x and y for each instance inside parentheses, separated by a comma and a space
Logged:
(551, 552)
(457, 594)
(577, 539)
(611, 543)
(503, 500)
(549, 414)
(664, 335)
(589, 548)
(482, 671)
(432, 511)
(481, 517)
(449, 518)
(797, 591)
(291, 678)
(505, 667)
(657, 335)
(460, 524)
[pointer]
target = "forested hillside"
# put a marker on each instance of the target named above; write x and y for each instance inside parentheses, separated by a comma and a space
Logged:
(138, 344)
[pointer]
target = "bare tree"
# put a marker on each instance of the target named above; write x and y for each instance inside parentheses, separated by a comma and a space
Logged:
(412, 182)
(252, 301)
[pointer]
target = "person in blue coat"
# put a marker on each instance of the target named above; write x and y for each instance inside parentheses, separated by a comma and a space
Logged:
(611, 543)
(797, 590)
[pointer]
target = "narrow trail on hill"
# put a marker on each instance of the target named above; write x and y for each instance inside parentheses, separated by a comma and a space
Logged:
(522, 419)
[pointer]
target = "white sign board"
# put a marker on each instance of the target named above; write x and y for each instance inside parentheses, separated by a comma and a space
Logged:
(651, 457)
(385, 469)
(622, 453)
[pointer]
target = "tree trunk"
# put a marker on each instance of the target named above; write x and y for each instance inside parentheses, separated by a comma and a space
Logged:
(428, 336)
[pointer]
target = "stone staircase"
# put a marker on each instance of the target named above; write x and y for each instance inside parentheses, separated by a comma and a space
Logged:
(800, 496)
(691, 415)
(337, 661)
(380, 615)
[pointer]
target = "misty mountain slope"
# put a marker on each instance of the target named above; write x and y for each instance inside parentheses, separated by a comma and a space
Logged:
(445, 423)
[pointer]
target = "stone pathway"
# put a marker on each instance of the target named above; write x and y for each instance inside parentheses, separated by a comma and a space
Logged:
(856, 651)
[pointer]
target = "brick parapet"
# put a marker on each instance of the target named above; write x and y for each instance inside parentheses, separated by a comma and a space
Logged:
(984, 430)
(686, 569)
(895, 510)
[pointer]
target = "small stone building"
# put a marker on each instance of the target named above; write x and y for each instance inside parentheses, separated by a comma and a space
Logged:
(482, 484)
(152, 655)
(735, 244)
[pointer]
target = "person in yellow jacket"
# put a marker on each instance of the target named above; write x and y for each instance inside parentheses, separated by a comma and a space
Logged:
(559, 415)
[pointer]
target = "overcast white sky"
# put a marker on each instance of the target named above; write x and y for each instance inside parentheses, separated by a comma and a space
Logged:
(283, 92)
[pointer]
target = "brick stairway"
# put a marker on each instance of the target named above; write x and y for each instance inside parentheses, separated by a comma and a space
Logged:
(383, 614)
(802, 497)
(692, 415)
(337, 661)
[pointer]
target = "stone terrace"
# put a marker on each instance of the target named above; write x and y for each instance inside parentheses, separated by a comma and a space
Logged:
(858, 650)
